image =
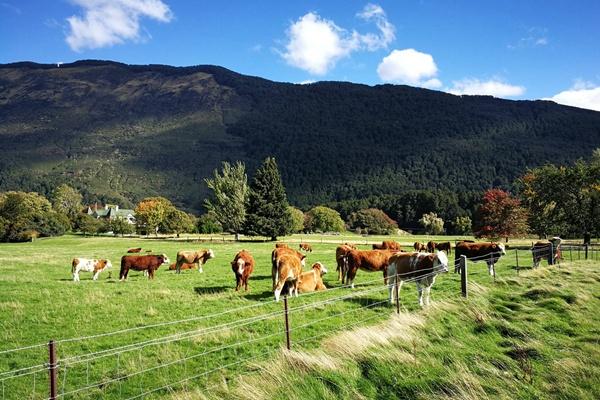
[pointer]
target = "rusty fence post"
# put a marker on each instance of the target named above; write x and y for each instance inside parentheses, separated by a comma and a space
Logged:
(463, 276)
(52, 367)
(287, 322)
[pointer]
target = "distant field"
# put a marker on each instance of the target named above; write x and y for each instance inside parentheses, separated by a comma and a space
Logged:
(39, 301)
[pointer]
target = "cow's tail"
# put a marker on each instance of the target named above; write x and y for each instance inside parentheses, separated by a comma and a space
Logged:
(74, 265)
(345, 268)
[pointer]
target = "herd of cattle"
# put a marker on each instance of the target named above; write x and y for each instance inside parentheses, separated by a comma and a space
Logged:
(421, 265)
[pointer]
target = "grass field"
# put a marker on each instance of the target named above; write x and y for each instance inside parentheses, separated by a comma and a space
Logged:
(513, 334)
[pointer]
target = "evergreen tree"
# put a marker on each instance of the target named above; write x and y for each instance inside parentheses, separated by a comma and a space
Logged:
(267, 213)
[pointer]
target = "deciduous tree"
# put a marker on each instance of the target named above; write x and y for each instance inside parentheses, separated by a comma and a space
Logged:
(432, 224)
(373, 220)
(324, 219)
(500, 215)
(67, 201)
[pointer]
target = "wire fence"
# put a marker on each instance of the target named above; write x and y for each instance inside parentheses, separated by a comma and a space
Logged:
(210, 350)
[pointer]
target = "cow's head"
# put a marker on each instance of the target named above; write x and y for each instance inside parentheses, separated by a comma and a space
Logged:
(502, 249)
(440, 262)
(107, 264)
(556, 241)
(210, 254)
(238, 265)
(320, 268)
(165, 259)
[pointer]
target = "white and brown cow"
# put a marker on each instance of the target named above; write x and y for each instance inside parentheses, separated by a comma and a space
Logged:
(88, 265)
(488, 252)
(199, 257)
(312, 281)
(289, 268)
(242, 266)
(420, 267)
(278, 252)
(541, 251)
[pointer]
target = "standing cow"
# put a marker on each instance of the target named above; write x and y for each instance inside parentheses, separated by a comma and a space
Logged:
(367, 260)
(279, 252)
(342, 261)
(420, 267)
(488, 252)
(541, 251)
(242, 266)
(418, 246)
(444, 246)
(431, 246)
(289, 268)
(147, 263)
(199, 257)
(88, 265)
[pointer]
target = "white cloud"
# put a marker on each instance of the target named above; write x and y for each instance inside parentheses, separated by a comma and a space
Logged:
(492, 87)
(410, 67)
(316, 44)
(109, 22)
(582, 94)
(536, 37)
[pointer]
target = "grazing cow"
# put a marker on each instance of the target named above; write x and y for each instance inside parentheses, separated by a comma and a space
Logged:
(341, 260)
(88, 265)
(305, 247)
(242, 266)
(281, 245)
(184, 266)
(541, 251)
(444, 246)
(367, 260)
(147, 263)
(199, 257)
(312, 281)
(422, 267)
(431, 246)
(489, 252)
(289, 268)
(387, 245)
(419, 247)
(136, 250)
(277, 253)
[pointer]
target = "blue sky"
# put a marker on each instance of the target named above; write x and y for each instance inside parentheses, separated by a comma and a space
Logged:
(511, 49)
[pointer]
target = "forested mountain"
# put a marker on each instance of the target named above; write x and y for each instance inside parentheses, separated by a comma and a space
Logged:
(122, 132)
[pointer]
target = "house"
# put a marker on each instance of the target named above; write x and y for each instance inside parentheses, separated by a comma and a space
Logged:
(111, 212)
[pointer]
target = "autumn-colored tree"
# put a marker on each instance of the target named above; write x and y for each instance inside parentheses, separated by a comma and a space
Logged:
(500, 215)
(151, 212)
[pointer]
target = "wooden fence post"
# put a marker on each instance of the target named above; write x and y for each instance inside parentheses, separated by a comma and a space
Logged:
(463, 276)
(551, 254)
(571, 253)
(586, 251)
(287, 322)
(52, 366)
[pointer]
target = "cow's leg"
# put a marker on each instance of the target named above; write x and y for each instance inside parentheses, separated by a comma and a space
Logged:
(76, 275)
(178, 266)
(95, 277)
(200, 270)
(238, 282)
(427, 293)
(420, 292)
(274, 276)
(277, 290)
(392, 281)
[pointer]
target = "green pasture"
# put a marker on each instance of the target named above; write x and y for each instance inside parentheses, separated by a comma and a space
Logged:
(227, 333)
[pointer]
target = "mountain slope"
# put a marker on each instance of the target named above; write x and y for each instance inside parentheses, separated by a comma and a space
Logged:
(122, 132)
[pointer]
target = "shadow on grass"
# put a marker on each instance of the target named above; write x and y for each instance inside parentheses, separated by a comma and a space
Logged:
(212, 289)
(369, 302)
(260, 277)
(259, 296)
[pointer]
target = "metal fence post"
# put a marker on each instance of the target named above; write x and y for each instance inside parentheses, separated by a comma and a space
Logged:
(287, 322)
(52, 366)
(463, 276)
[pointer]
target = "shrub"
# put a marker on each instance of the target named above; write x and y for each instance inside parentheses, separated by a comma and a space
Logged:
(373, 221)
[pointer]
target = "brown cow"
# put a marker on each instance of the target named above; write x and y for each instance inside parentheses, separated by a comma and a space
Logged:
(341, 260)
(444, 246)
(352, 246)
(277, 253)
(489, 252)
(312, 281)
(367, 260)
(420, 267)
(199, 257)
(387, 245)
(419, 247)
(147, 263)
(281, 245)
(289, 268)
(184, 266)
(242, 266)
(136, 250)
(305, 247)
(541, 251)
(431, 246)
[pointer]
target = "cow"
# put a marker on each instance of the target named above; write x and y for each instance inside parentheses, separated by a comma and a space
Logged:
(289, 268)
(387, 245)
(306, 247)
(341, 260)
(367, 260)
(199, 257)
(242, 266)
(312, 281)
(418, 246)
(420, 267)
(352, 246)
(489, 252)
(431, 246)
(541, 251)
(281, 245)
(278, 252)
(88, 265)
(146, 263)
(136, 250)
(444, 246)
(184, 266)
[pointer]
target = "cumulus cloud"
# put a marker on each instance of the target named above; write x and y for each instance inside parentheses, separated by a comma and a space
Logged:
(582, 94)
(109, 22)
(316, 44)
(410, 67)
(492, 87)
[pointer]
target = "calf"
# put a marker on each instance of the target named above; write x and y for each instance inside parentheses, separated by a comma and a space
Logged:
(88, 265)
(305, 247)
(420, 267)
(184, 266)
(199, 257)
(136, 250)
(342, 261)
(418, 246)
(277, 253)
(488, 252)
(387, 245)
(367, 260)
(431, 246)
(289, 268)
(242, 266)
(312, 281)
(147, 263)
(444, 246)
(542, 250)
